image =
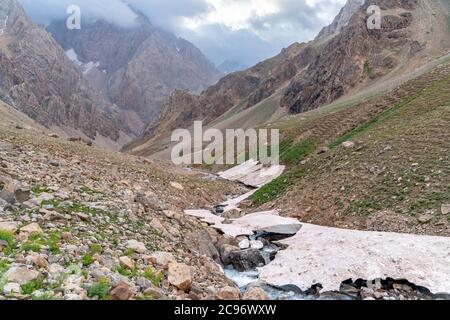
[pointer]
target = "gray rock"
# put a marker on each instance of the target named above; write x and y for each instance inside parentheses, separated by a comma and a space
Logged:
(246, 260)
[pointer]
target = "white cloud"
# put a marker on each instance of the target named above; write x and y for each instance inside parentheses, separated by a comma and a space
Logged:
(218, 27)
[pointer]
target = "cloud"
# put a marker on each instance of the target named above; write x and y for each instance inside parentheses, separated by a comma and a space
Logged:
(245, 31)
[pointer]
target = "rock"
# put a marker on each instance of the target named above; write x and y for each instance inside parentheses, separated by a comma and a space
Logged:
(40, 261)
(127, 263)
(21, 275)
(246, 260)
(233, 214)
(122, 291)
(228, 293)
(32, 228)
(54, 163)
(9, 226)
(244, 244)
(72, 297)
(136, 246)
(176, 185)
(155, 293)
(162, 259)
(348, 145)
(22, 194)
(180, 276)
(82, 216)
(7, 189)
(11, 288)
(424, 219)
(445, 209)
(258, 245)
(225, 251)
(256, 294)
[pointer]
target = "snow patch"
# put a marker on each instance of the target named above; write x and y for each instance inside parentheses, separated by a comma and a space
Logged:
(5, 24)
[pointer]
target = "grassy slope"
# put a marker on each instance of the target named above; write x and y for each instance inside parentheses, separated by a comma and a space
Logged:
(399, 171)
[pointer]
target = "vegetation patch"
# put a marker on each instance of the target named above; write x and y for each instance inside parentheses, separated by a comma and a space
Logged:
(99, 289)
(37, 190)
(31, 286)
(366, 126)
(294, 154)
(154, 277)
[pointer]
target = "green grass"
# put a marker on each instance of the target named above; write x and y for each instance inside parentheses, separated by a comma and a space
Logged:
(31, 286)
(36, 242)
(7, 236)
(37, 190)
(87, 260)
(90, 191)
(367, 67)
(293, 155)
(2, 185)
(276, 188)
(127, 272)
(368, 125)
(99, 289)
(47, 296)
(154, 277)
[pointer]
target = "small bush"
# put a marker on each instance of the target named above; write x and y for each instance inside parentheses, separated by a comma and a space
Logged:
(31, 286)
(99, 289)
(95, 249)
(87, 260)
(7, 236)
(153, 277)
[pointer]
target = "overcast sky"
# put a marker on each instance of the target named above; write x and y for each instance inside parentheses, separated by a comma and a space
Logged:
(245, 31)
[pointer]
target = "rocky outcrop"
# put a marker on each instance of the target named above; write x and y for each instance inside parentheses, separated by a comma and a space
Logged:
(38, 79)
(137, 67)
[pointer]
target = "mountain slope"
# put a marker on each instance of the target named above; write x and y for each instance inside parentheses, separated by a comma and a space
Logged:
(38, 79)
(345, 59)
(137, 67)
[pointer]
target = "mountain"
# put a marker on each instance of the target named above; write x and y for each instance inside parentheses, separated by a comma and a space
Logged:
(38, 79)
(345, 59)
(137, 67)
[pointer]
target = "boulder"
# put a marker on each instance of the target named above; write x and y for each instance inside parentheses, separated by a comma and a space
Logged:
(445, 209)
(136, 246)
(255, 294)
(9, 226)
(177, 185)
(244, 244)
(247, 260)
(180, 276)
(228, 293)
(126, 262)
(11, 288)
(225, 251)
(32, 228)
(162, 259)
(122, 291)
(348, 145)
(21, 275)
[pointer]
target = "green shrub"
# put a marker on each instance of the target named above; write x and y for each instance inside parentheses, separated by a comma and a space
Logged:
(31, 286)
(87, 260)
(95, 249)
(153, 277)
(7, 236)
(99, 289)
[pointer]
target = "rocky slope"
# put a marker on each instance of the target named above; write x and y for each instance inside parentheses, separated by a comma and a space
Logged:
(136, 67)
(78, 222)
(38, 79)
(345, 58)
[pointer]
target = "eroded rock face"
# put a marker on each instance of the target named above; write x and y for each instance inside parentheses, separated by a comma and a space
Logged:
(137, 67)
(39, 80)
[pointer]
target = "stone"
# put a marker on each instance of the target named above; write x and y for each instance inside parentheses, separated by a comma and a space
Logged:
(233, 214)
(256, 244)
(122, 291)
(424, 219)
(247, 260)
(155, 293)
(9, 226)
(72, 297)
(255, 294)
(225, 251)
(126, 262)
(348, 145)
(22, 194)
(11, 288)
(244, 244)
(445, 209)
(32, 228)
(82, 216)
(54, 163)
(177, 185)
(21, 275)
(136, 246)
(180, 276)
(162, 259)
(228, 294)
